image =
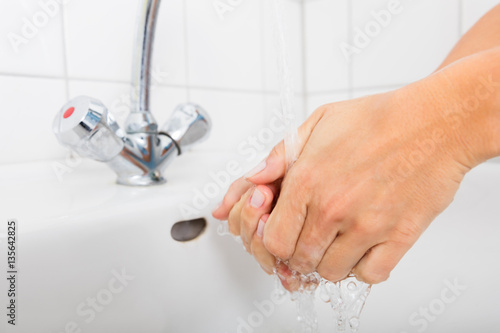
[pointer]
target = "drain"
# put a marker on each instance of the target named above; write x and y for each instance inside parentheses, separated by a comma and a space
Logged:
(186, 231)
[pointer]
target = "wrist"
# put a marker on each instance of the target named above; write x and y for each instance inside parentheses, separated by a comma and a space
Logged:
(467, 97)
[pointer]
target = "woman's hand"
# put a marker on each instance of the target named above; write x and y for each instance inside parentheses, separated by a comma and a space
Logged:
(372, 174)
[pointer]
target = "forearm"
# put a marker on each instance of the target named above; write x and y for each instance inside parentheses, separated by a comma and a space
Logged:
(484, 35)
(467, 94)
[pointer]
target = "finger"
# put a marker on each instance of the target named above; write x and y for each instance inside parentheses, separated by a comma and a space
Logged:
(258, 204)
(283, 228)
(263, 257)
(314, 240)
(288, 278)
(234, 219)
(274, 166)
(344, 253)
(378, 263)
(233, 195)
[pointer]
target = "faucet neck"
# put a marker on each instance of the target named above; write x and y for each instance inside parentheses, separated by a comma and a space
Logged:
(141, 69)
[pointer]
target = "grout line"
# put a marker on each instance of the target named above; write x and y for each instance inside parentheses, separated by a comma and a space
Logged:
(221, 89)
(65, 50)
(305, 100)
(350, 37)
(215, 89)
(99, 80)
(32, 76)
(186, 50)
(165, 85)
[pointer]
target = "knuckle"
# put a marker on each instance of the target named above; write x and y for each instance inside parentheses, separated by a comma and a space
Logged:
(246, 223)
(236, 191)
(248, 212)
(233, 223)
(233, 230)
(373, 276)
(303, 173)
(331, 274)
(367, 227)
(309, 252)
(276, 247)
(301, 265)
(334, 209)
(232, 189)
(407, 232)
(373, 223)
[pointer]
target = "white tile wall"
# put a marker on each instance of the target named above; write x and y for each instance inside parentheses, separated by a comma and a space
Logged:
(232, 123)
(25, 121)
(293, 26)
(327, 26)
(473, 10)
(315, 100)
(411, 45)
(28, 49)
(98, 33)
(224, 53)
(225, 62)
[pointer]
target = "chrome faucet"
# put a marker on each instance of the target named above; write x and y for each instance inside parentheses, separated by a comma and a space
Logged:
(140, 153)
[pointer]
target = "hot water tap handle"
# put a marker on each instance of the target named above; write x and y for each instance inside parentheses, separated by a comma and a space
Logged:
(85, 125)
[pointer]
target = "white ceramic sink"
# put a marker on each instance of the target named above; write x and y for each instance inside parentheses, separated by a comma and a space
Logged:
(77, 235)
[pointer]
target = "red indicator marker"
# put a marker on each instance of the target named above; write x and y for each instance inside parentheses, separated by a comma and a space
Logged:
(68, 112)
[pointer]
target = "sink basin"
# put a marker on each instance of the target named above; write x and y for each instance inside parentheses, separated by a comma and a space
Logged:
(97, 257)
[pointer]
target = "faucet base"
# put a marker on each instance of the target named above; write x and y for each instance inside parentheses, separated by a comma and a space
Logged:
(154, 178)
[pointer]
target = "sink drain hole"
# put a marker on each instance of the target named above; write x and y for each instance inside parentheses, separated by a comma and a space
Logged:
(185, 231)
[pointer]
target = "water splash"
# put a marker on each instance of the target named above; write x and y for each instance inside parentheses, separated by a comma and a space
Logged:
(347, 299)
(288, 113)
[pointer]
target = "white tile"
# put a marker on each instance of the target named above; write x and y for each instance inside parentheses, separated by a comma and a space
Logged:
(272, 106)
(30, 106)
(409, 47)
(273, 118)
(372, 91)
(32, 39)
(326, 28)
(473, 10)
(316, 100)
(235, 118)
(164, 100)
(99, 38)
(224, 50)
(116, 97)
(105, 51)
(169, 55)
(293, 33)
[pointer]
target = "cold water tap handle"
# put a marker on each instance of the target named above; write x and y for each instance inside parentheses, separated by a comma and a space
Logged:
(85, 126)
(188, 125)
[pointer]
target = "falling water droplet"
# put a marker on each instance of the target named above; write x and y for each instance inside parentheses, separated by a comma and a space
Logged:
(352, 286)
(354, 323)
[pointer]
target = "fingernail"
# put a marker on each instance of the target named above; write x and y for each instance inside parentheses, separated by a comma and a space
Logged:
(256, 170)
(260, 228)
(257, 199)
(217, 207)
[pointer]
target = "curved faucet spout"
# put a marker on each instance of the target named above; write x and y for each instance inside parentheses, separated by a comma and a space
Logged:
(139, 155)
(141, 120)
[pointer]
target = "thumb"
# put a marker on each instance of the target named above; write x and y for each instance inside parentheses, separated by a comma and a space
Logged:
(274, 166)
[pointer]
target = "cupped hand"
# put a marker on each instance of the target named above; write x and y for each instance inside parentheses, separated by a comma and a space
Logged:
(371, 175)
